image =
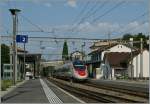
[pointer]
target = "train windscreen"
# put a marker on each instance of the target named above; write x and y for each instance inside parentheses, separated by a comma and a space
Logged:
(79, 65)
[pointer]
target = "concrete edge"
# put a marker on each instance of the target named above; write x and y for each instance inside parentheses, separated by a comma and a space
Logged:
(8, 90)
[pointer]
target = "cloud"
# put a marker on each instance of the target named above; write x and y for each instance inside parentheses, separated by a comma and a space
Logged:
(97, 30)
(106, 27)
(48, 4)
(44, 3)
(72, 3)
(134, 28)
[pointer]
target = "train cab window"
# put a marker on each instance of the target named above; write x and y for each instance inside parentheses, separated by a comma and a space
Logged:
(78, 62)
(80, 67)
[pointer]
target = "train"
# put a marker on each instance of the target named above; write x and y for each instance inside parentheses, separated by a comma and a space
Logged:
(73, 70)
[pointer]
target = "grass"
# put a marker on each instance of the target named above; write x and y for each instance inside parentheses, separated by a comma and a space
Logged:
(5, 84)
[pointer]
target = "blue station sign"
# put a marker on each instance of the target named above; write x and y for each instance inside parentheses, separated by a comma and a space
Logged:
(21, 38)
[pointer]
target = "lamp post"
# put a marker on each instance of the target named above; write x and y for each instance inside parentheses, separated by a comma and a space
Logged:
(14, 15)
(131, 44)
(149, 40)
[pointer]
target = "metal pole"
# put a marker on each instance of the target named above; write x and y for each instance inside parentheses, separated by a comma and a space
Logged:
(24, 65)
(149, 42)
(131, 43)
(11, 68)
(149, 50)
(14, 14)
(82, 51)
(141, 59)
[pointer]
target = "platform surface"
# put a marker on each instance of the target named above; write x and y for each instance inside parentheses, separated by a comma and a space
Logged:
(38, 91)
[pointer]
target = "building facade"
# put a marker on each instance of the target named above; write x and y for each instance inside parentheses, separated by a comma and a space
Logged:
(140, 65)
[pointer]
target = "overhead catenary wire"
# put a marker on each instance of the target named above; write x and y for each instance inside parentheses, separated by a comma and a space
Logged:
(81, 12)
(77, 38)
(32, 23)
(108, 11)
(105, 13)
(71, 38)
(88, 14)
(92, 13)
(79, 16)
(96, 10)
(35, 25)
(133, 20)
(133, 28)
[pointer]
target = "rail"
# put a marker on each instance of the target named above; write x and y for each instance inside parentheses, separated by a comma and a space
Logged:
(98, 94)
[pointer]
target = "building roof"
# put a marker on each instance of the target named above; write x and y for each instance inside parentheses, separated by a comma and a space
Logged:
(118, 59)
(102, 43)
(102, 48)
(106, 47)
(30, 57)
(76, 52)
(21, 50)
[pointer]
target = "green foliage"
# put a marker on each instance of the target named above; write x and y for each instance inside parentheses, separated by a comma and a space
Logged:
(137, 37)
(5, 84)
(5, 54)
(65, 51)
(124, 77)
(127, 36)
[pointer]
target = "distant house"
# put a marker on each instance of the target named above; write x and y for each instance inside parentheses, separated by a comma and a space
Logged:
(115, 64)
(76, 55)
(140, 65)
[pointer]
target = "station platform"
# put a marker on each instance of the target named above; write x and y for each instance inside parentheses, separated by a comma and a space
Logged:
(39, 91)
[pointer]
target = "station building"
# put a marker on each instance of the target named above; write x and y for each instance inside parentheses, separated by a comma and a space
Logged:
(111, 61)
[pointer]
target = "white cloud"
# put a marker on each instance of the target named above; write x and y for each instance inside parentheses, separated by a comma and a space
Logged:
(47, 4)
(105, 27)
(42, 2)
(135, 27)
(72, 3)
(99, 30)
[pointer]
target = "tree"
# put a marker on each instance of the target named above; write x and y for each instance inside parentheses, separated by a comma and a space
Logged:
(5, 54)
(65, 51)
(137, 37)
(127, 36)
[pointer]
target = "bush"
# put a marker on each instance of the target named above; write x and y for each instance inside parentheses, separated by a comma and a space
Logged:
(5, 84)
(122, 77)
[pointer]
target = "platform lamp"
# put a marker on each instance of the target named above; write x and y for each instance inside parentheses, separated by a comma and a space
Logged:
(14, 13)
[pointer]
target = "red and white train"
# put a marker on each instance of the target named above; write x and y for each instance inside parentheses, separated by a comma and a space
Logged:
(75, 70)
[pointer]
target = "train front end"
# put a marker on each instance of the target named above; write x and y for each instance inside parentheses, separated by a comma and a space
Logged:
(80, 71)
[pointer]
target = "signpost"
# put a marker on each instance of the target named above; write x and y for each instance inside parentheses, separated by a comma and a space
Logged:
(22, 39)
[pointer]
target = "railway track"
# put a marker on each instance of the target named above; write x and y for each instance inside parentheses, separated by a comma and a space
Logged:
(98, 94)
(120, 89)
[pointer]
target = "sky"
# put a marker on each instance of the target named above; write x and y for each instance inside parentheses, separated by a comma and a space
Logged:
(73, 18)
